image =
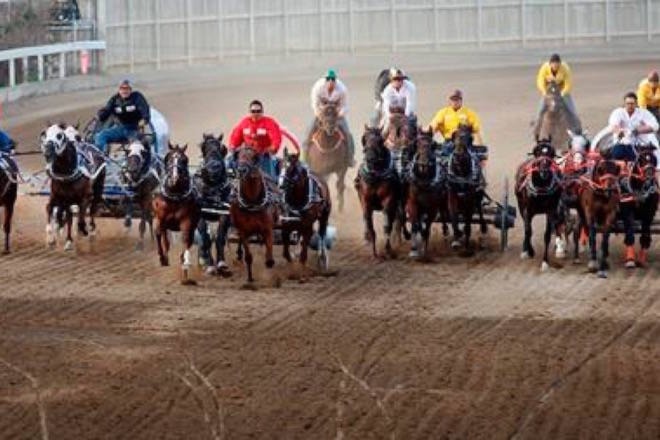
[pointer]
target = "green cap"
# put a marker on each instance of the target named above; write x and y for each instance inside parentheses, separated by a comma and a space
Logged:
(331, 74)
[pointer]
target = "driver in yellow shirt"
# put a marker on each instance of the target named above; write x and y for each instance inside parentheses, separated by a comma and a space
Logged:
(557, 71)
(648, 94)
(446, 120)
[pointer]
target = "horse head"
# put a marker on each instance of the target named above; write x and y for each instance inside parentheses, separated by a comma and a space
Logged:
(294, 173)
(647, 163)
(56, 146)
(247, 162)
(329, 116)
(376, 155)
(135, 159)
(72, 133)
(213, 153)
(553, 100)
(461, 162)
(424, 160)
(578, 145)
(398, 134)
(176, 163)
(605, 176)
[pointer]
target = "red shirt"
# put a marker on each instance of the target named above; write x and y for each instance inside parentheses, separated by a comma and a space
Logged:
(260, 134)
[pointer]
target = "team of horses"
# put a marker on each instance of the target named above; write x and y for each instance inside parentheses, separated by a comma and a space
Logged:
(405, 174)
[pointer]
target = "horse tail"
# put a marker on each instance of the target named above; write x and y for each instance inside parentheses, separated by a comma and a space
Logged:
(382, 81)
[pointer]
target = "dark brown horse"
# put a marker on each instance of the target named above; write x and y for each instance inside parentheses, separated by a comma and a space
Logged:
(599, 202)
(71, 184)
(213, 185)
(176, 208)
(538, 190)
(464, 193)
(426, 192)
(307, 198)
(8, 193)
(142, 177)
(378, 186)
(253, 208)
(642, 207)
(328, 150)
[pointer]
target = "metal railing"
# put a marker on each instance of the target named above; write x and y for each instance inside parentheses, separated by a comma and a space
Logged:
(52, 61)
(158, 33)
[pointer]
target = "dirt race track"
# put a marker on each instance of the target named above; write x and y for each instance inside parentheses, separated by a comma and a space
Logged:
(487, 347)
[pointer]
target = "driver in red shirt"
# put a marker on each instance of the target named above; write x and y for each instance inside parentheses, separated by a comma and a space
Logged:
(261, 133)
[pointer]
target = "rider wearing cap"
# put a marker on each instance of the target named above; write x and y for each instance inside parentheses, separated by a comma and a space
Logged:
(558, 72)
(447, 120)
(330, 88)
(261, 133)
(630, 124)
(648, 94)
(400, 92)
(132, 112)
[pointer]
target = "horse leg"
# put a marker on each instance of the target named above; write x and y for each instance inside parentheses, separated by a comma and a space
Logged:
(50, 224)
(188, 233)
(453, 213)
(142, 229)
(205, 258)
(341, 185)
(528, 250)
(220, 243)
(286, 242)
(603, 265)
(128, 218)
(549, 224)
(391, 210)
(593, 258)
(369, 231)
(268, 242)
(483, 226)
(413, 215)
(628, 214)
(645, 238)
(468, 228)
(306, 235)
(576, 239)
(9, 212)
(248, 257)
(68, 245)
(163, 243)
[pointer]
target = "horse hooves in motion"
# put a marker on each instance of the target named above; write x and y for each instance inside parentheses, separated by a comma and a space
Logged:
(253, 209)
(176, 209)
(308, 197)
(77, 178)
(539, 190)
(378, 188)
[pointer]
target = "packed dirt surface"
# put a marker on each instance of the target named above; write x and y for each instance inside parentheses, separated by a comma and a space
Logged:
(104, 343)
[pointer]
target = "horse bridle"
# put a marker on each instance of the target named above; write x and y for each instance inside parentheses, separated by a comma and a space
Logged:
(4, 166)
(173, 168)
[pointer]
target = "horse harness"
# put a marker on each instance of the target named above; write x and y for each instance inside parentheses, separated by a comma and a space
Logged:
(9, 168)
(541, 191)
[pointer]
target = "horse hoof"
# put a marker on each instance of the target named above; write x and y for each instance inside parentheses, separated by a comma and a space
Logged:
(525, 256)
(128, 222)
(164, 262)
(6, 252)
(68, 246)
(203, 262)
(630, 264)
(413, 254)
(561, 254)
(592, 266)
(545, 266)
(576, 261)
(249, 286)
(270, 263)
(455, 245)
(210, 270)
(188, 282)
(602, 274)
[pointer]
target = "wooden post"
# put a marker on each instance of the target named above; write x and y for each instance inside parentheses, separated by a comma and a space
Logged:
(62, 65)
(40, 67)
(12, 72)
(26, 70)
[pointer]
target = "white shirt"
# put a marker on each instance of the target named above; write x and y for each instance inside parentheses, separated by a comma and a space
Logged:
(320, 91)
(392, 97)
(622, 120)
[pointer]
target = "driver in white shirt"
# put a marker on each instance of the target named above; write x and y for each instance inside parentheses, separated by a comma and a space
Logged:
(631, 125)
(399, 92)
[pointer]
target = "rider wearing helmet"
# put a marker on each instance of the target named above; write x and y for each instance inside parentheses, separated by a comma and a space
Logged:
(447, 120)
(261, 133)
(630, 124)
(400, 92)
(558, 72)
(330, 88)
(132, 112)
(648, 94)
(7, 144)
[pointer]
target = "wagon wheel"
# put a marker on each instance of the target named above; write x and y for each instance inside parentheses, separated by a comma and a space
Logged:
(504, 227)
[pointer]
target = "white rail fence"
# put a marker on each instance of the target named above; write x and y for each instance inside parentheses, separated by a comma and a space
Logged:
(41, 63)
(158, 33)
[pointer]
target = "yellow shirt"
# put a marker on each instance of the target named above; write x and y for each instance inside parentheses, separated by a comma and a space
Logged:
(447, 120)
(563, 78)
(646, 97)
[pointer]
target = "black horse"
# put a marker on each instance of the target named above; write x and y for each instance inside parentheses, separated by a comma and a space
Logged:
(641, 207)
(214, 189)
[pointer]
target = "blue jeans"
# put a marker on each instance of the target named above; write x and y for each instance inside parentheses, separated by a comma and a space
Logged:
(118, 133)
(623, 152)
